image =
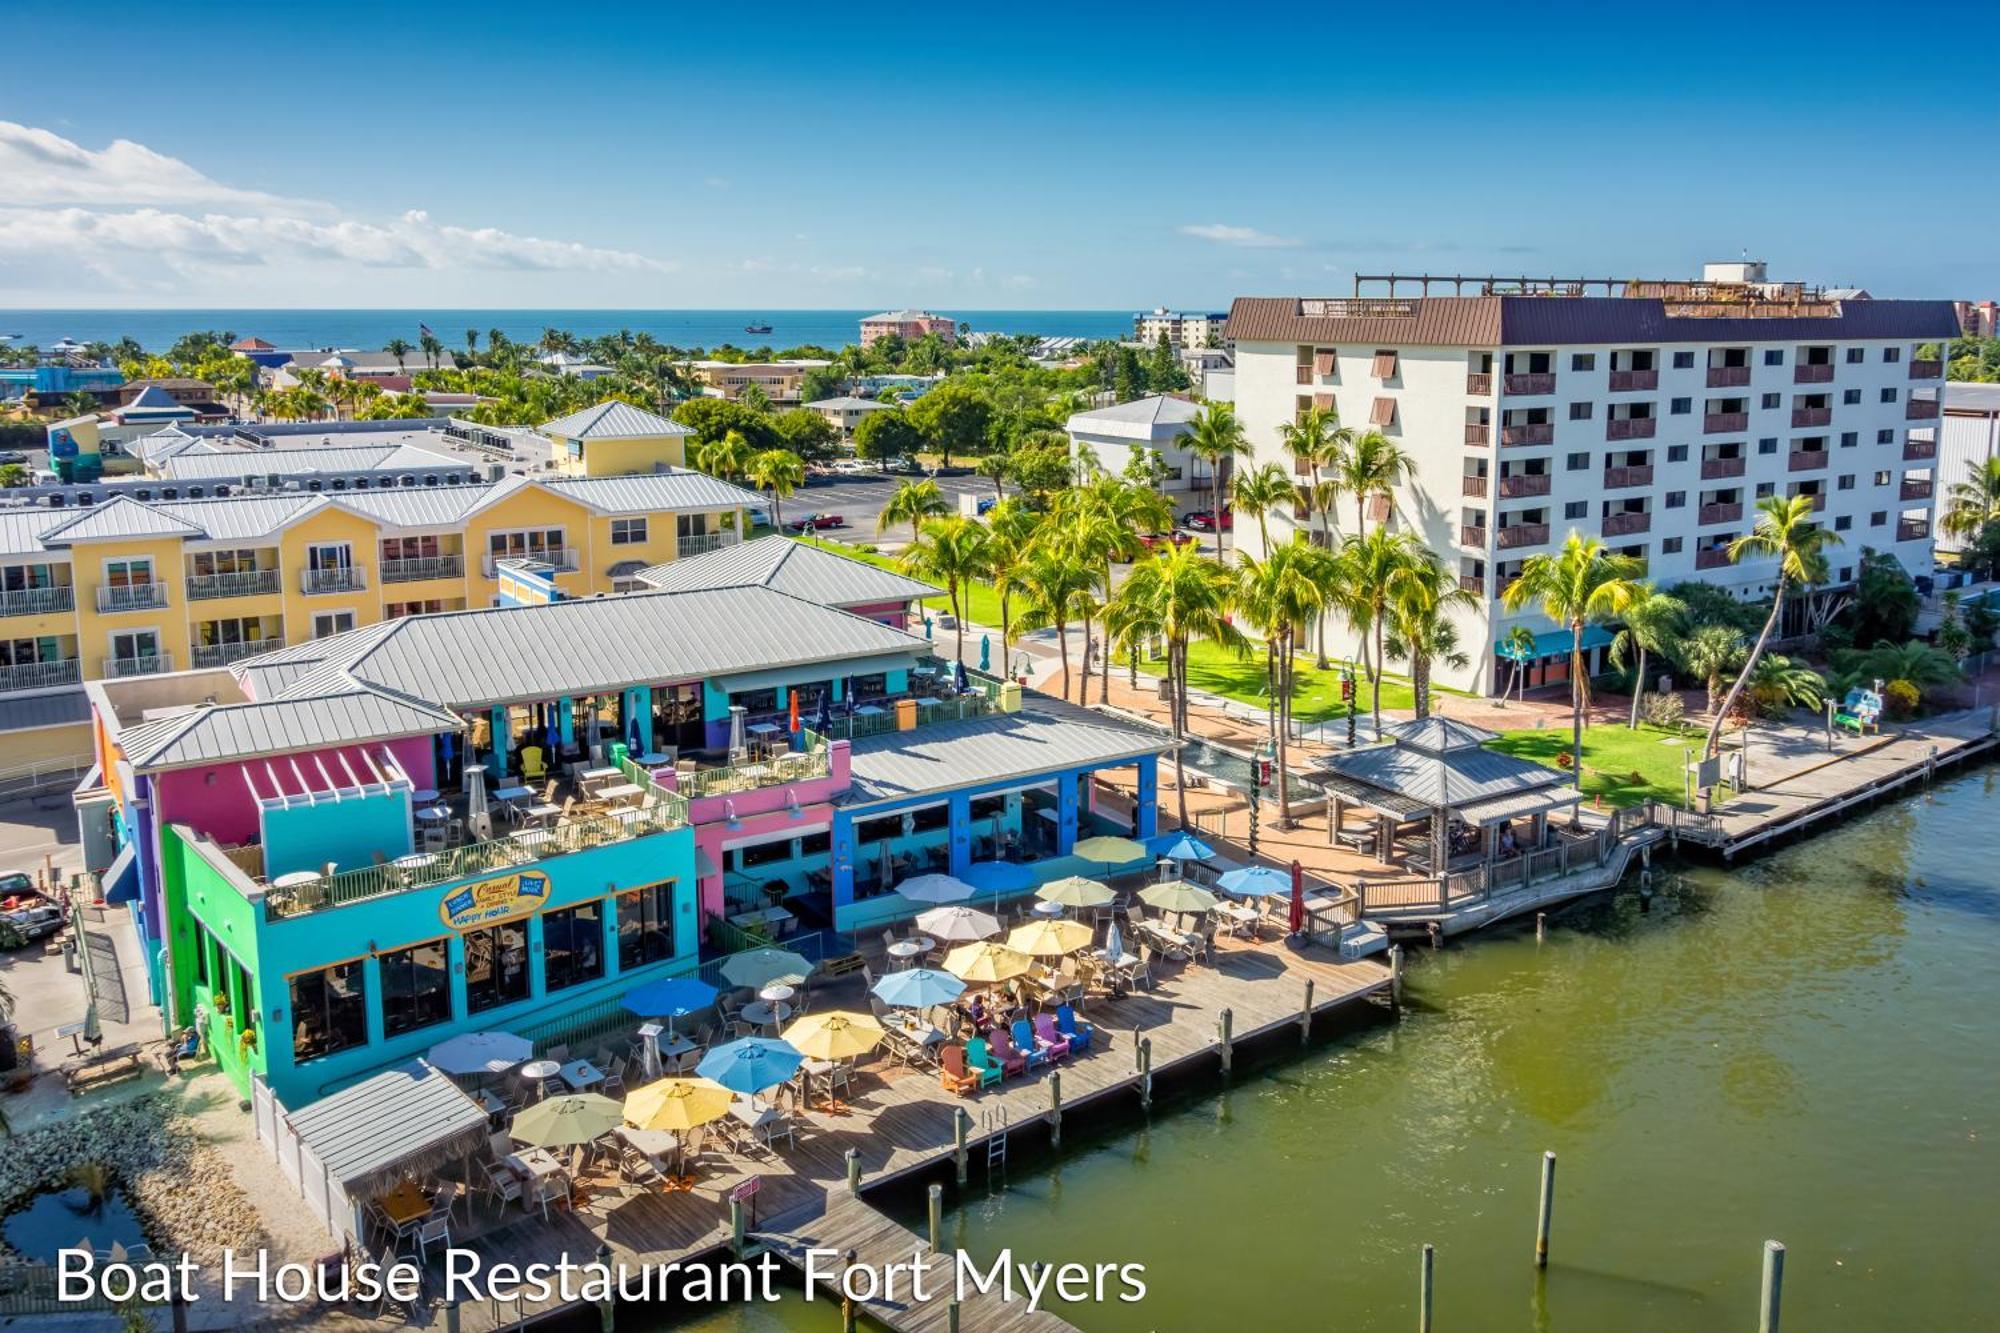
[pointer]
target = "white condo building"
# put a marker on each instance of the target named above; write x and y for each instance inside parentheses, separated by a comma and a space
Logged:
(1181, 328)
(1654, 415)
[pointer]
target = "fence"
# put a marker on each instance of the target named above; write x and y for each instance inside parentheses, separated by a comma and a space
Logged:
(1429, 895)
(27, 1287)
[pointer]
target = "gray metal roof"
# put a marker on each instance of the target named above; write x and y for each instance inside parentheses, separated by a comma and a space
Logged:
(645, 492)
(1437, 735)
(24, 712)
(240, 518)
(21, 529)
(227, 464)
(613, 421)
(1046, 736)
(418, 506)
(1450, 780)
(119, 517)
(364, 1134)
(796, 569)
(236, 731)
(849, 403)
(1157, 417)
(1500, 809)
(591, 646)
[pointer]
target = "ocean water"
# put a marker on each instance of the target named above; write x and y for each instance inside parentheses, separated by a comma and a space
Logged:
(368, 329)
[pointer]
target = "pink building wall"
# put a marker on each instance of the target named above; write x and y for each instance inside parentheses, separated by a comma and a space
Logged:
(217, 801)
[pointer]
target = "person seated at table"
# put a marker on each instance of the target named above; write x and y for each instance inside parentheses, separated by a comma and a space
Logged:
(977, 1013)
(1507, 844)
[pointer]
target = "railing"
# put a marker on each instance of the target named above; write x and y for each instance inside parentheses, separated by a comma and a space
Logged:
(28, 1287)
(37, 601)
(701, 543)
(1719, 513)
(351, 579)
(1921, 409)
(1926, 370)
(1728, 377)
(132, 597)
(248, 583)
(1479, 384)
(222, 654)
(1912, 529)
(1631, 428)
(40, 675)
(1440, 894)
(1478, 432)
(1475, 486)
(415, 569)
(1811, 416)
(42, 775)
(1519, 484)
(1914, 490)
(1711, 557)
(1806, 460)
(1807, 372)
(1624, 525)
(1533, 432)
(156, 665)
(802, 766)
(1916, 450)
(1713, 468)
(951, 710)
(1303, 374)
(1524, 534)
(1634, 474)
(1468, 535)
(1538, 382)
(1623, 380)
(1473, 583)
(1715, 423)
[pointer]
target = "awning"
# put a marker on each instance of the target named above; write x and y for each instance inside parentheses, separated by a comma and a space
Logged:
(120, 880)
(410, 1120)
(626, 569)
(704, 864)
(744, 682)
(1515, 805)
(1555, 643)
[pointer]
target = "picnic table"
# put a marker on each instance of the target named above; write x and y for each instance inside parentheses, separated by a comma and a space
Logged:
(620, 791)
(779, 919)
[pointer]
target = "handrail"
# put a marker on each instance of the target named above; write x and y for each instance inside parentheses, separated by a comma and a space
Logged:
(737, 777)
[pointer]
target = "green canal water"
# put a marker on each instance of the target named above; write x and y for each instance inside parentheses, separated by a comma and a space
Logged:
(1806, 1047)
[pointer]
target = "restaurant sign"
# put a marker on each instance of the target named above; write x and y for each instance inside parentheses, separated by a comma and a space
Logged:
(502, 898)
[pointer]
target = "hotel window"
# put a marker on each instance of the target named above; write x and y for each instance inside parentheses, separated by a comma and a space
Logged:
(329, 1011)
(1855, 355)
(1772, 401)
(1677, 453)
(1577, 462)
(572, 945)
(135, 646)
(416, 987)
(496, 966)
(1774, 356)
(1577, 509)
(1849, 397)
(332, 622)
(1881, 479)
(1888, 395)
(1766, 489)
(428, 607)
(1878, 519)
(1845, 482)
(1583, 361)
(1670, 546)
(223, 562)
(531, 543)
(1887, 435)
(628, 531)
(1683, 360)
(1842, 522)
(1768, 445)
(1849, 438)
(128, 573)
(1680, 407)
(1892, 354)
(1580, 411)
(1676, 499)
(645, 925)
(22, 578)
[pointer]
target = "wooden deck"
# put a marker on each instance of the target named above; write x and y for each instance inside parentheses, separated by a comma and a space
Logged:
(902, 1123)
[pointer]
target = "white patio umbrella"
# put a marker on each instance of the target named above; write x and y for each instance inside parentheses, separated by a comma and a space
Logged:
(958, 924)
(762, 967)
(480, 1052)
(934, 889)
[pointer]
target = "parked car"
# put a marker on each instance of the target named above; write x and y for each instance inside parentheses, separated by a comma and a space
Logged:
(816, 522)
(987, 504)
(1203, 520)
(28, 924)
(1155, 539)
(848, 467)
(12, 456)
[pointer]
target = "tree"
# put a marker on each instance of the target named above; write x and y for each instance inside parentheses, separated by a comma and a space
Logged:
(1711, 653)
(1917, 662)
(1258, 493)
(1370, 571)
(883, 436)
(1186, 596)
(952, 550)
(820, 383)
(713, 418)
(1104, 520)
(1421, 630)
(1371, 467)
(1055, 586)
(432, 349)
(1785, 529)
(1581, 584)
(1885, 604)
(1779, 683)
(778, 472)
(399, 349)
(913, 502)
(1520, 643)
(953, 417)
(1653, 624)
(1216, 437)
(725, 458)
(1011, 530)
(1973, 503)
(1040, 472)
(1313, 442)
(1278, 595)
(13, 474)
(993, 466)
(806, 433)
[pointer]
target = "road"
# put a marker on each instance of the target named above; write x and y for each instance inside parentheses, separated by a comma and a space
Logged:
(859, 499)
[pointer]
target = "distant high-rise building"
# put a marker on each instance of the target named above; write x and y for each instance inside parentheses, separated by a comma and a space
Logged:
(909, 325)
(1180, 328)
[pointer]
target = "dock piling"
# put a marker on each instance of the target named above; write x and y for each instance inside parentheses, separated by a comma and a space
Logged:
(1541, 927)
(736, 1227)
(1055, 1108)
(1306, 1015)
(850, 1315)
(1396, 975)
(961, 1126)
(854, 1171)
(1223, 1023)
(607, 1309)
(451, 1317)
(1426, 1285)
(1546, 1212)
(1774, 1286)
(1145, 1073)
(936, 1200)
(951, 1317)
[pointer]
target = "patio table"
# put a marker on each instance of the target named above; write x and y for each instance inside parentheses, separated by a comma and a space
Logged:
(652, 759)
(532, 1163)
(295, 879)
(766, 1013)
(538, 1072)
(404, 1204)
(1047, 909)
(656, 1145)
(779, 919)
(748, 1113)
(601, 774)
(424, 796)
(906, 951)
(581, 1075)
(1237, 917)
(509, 795)
(433, 814)
(868, 710)
(492, 1105)
(540, 812)
(620, 791)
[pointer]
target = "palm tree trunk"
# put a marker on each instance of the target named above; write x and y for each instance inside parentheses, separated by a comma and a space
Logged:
(958, 621)
(1420, 681)
(1714, 745)
(1638, 686)
(1284, 734)
(1377, 705)
(1006, 633)
(1104, 681)
(1083, 685)
(1174, 724)
(1062, 644)
(1576, 702)
(1215, 503)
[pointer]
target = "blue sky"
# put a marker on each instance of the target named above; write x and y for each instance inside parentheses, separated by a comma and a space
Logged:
(972, 157)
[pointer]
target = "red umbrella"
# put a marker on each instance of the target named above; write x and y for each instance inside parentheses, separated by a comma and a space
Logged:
(795, 711)
(1298, 898)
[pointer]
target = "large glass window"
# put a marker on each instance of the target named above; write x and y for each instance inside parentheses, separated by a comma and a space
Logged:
(572, 945)
(496, 966)
(416, 987)
(755, 701)
(765, 854)
(329, 1011)
(646, 925)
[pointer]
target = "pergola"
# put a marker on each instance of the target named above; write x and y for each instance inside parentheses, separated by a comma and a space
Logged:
(1438, 770)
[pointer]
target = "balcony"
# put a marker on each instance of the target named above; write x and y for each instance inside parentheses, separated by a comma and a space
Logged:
(1478, 433)
(1302, 374)
(1711, 557)
(1539, 382)
(1624, 525)
(38, 601)
(317, 582)
(156, 665)
(1719, 513)
(1535, 432)
(1624, 380)
(40, 675)
(250, 583)
(1915, 451)
(564, 559)
(1926, 370)
(1728, 377)
(415, 569)
(222, 654)
(1912, 530)
(1630, 428)
(1620, 478)
(1473, 583)
(701, 543)
(1921, 409)
(1524, 484)
(1524, 534)
(1914, 490)
(1713, 468)
(1808, 373)
(1719, 423)
(1806, 460)
(1474, 486)
(1815, 500)
(1468, 535)
(1479, 385)
(132, 597)
(1811, 416)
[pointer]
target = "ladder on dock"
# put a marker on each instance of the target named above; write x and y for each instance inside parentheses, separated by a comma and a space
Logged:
(993, 1122)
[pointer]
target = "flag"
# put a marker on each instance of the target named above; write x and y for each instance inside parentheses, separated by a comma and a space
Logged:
(424, 330)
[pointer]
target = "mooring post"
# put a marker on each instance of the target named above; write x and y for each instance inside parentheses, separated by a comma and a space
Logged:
(1396, 975)
(451, 1317)
(607, 1309)
(951, 1317)
(178, 1307)
(936, 1199)
(854, 1171)
(1774, 1286)
(961, 1127)
(1224, 1021)
(849, 1316)
(1425, 1287)
(1055, 1108)
(736, 1228)
(1541, 926)
(1146, 1073)
(1306, 1015)
(1546, 1211)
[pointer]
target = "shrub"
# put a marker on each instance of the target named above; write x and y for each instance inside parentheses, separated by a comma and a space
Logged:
(1666, 711)
(1900, 698)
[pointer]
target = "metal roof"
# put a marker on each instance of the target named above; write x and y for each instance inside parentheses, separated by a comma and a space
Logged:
(1045, 737)
(24, 712)
(21, 529)
(849, 403)
(418, 506)
(591, 646)
(239, 518)
(212, 735)
(613, 420)
(1500, 809)
(227, 464)
(1157, 417)
(119, 517)
(1436, 735)
(796, 569)
(672, 490)
(365, 1134)
(1448, 781)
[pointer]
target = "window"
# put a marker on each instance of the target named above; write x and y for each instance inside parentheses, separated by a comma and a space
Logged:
(1878, 519)
(1842, 522)
(871, 687)
(1772, 401)
(1881, 479)
(139, 645)
(429, 606)
(1577, 462)
(930, 819)
(1774, 356)
(818, 844)
(1846, 573)
(1580, 411)
(1577, 509)
(332, 622)
(1849, 438)
(1676, 499)
(1855, 355)
(534, 543)
(1889, 395)
(764, 854)
(1766, 489)
(1683, 360)
(1849, 397)
(223, 562)
(1583, 361)
(329, 1011)
(646, 925)
(1844, 482)
(1677, 453)
(410, 548)
(496, 966)
(1892, 354)
(1768, 445)
(1886, 435)
(876, 830)
(754, 702)
(1670, 546)
(573, 945)
(1680, 407)
(416, 987)
(628, 531)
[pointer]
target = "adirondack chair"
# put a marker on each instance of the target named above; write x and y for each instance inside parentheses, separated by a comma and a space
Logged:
(979, 1058)
(1023, 1036)
(1012, 1059)
(1074, 1028)
(953, 1075)
(1054, 1045)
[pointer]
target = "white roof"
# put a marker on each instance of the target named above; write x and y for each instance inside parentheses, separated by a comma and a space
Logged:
(1156, 418)
(900, 317)
(613, 420)
(793, 568)
(239, 730)
(848, 403)
(226, 464)
(1046, 734)
(1968, 397)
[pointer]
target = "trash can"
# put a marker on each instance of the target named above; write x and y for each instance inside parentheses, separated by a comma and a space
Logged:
(617, 752)
(906, 714)
(1010, 696)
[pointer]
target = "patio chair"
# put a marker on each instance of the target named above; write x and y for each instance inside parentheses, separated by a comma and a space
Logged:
(979, 1057)
(953, 1073)
(1012, 1059)
(502, 1186)
(408, 1309)
(548, 1190)
(1022, 1037)
(447, 1196)
(614, 1076)
(1052, 1044)
(1075, 1029)
(533, 769)
(436, 1230)
(788, 1109)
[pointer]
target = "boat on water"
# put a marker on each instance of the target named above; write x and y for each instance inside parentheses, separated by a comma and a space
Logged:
(756, 328)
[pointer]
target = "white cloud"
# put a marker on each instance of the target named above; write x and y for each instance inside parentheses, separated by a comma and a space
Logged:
(1246, 238)
(41, 167)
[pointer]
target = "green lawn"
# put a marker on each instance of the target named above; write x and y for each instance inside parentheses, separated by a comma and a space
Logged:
(1624, 767)
(979, 603)
(1315, 695)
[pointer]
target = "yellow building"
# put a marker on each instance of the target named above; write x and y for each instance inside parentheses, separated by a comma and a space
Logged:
(613, 439)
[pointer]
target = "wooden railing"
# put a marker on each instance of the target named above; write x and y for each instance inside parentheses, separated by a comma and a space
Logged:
(1525, 483)
(1917, 450)
(1715, 423)
(1630, 428)
(1812, 372)
(1720, 513)
(1728, 377)
(1534, 383)
(1711, 557)
(1623, 380)
(1626, 524)
(1921, 409)
(1469, 485)
(1714, 468)
(1633, 474)
(1478, 384)
(1529, 432)
(1811, 416)
(1926, 370)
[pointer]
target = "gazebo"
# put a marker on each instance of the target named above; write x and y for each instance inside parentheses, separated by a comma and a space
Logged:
(1437, 770)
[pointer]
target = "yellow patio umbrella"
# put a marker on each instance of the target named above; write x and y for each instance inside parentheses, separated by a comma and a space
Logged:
(677, 1104)
(835, 1035)
(987, 962)
(1111, 851)
(1076, 891)
(1051, 939)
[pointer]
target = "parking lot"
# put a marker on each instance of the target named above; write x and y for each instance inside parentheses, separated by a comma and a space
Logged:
(859, 498)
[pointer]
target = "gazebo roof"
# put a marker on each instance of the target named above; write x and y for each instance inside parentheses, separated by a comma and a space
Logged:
(1438, 735)
(1405, 779)
(411, 1119)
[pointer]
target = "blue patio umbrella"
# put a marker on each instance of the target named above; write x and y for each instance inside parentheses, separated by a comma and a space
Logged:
(985, 652)
(1254, 882)
(1182, 847)
(751, 1064)
(999, 876)
(824, 723)
(918, 988)
(670, 997)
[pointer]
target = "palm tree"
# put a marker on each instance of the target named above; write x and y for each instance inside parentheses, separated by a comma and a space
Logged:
(1372, 466)
(432, 349)
(1421, 630)
(1785, 529)
(724, 458)
(472, 342)
(1917, 662)
(1972, 504)
(951, 550)
(1258, 493)
(1215, 436)
(1710, 653)
(1778, 683)
(1011, 526)
(1520, 643)
(1106, 518)
(1278, 595)
(1579, 585)
(1371, 573)
(399, 349)
(1185, 596)
(1652, 625)
(779, 472)
(1055, 583)
(913, 502)
(1313, 442)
